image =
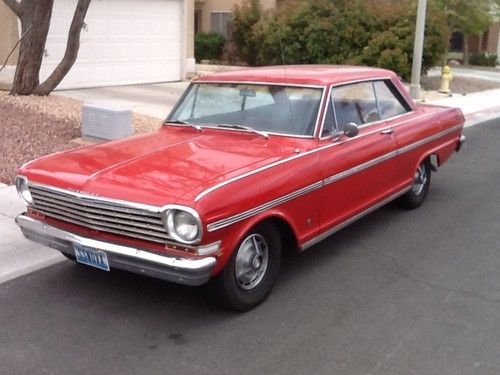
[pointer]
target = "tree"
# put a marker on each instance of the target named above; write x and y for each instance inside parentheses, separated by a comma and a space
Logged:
(368, 32)
(35, 16)
(244, 19)
(471, 17)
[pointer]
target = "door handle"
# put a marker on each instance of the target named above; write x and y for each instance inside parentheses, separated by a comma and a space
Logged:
(387, 131)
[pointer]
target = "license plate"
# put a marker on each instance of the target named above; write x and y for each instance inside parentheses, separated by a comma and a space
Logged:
(91, 257)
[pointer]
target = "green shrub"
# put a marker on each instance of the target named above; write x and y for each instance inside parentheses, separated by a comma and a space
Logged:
(483, 59)
(243, 22)
(375, 33)
(208, 46)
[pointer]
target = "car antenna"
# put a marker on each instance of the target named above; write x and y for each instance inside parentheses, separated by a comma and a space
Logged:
(282, 53)
(284, 67)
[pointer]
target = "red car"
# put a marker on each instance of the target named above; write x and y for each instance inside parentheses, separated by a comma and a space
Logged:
(248, 165)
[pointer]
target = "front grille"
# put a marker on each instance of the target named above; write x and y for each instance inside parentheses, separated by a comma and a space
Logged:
(100, 215)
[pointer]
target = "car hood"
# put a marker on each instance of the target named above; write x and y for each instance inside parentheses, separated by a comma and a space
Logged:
(170, 166)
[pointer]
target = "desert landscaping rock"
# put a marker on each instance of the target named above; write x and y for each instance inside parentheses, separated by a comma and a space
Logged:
(33, 126)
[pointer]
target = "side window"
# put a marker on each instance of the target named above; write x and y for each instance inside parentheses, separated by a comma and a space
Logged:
(389, 104)
(355, 103)
(329, 125)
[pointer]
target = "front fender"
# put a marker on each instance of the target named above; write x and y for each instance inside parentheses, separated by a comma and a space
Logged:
(232, 235)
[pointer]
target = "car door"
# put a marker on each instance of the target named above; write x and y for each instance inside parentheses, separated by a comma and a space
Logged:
(400, 117)
(358, 172)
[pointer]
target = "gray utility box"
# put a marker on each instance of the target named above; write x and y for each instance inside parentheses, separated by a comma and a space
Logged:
(106, 121)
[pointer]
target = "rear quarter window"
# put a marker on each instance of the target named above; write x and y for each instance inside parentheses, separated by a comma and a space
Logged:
(389, 102)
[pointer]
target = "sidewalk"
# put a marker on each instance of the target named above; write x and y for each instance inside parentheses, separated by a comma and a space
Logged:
(477, 107)
(19, 256)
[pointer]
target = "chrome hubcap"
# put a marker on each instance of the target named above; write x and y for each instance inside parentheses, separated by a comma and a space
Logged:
(252, 260)
(420, 179)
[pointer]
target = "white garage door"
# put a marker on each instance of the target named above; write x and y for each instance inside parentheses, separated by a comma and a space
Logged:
(123, 42)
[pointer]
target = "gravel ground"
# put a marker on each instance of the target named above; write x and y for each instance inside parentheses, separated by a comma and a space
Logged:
(33, 126)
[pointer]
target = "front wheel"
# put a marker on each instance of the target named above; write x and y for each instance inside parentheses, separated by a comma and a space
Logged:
(418, 192)
(250, 273)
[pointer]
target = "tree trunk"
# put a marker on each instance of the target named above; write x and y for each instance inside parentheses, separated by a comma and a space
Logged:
(35, 16)
(35, 21)
(466, 50)
(71, 53)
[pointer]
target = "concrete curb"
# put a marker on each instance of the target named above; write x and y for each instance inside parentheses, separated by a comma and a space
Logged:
(480, 117)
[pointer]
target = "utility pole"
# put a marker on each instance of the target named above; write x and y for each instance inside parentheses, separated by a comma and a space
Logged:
(417, 50)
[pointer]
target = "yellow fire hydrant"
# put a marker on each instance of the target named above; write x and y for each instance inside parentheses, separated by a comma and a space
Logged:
(446, 78)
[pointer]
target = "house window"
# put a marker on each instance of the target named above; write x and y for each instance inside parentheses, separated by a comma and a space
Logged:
(457, 42)
(220, 23)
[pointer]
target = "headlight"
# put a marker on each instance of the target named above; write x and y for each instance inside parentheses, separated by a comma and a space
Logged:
(22, 189)
(183, 225)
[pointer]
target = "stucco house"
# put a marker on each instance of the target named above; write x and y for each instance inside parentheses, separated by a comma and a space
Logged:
(122, 42)
(215, 15)
(488, 42)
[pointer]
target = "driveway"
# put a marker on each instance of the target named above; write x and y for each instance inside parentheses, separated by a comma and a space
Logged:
(155, 100)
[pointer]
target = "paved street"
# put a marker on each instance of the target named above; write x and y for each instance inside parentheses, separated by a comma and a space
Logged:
(399, 292)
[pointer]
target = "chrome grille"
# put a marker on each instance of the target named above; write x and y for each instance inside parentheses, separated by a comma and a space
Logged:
(100, 215)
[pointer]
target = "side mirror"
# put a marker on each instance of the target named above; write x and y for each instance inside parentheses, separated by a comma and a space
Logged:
(351, 130)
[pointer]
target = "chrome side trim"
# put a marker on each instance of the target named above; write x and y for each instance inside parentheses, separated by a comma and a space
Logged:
(255, 171)
(177, 269)
(429, 139)
(328, 180)
(254, 211)
(342, 225)
(359, 168)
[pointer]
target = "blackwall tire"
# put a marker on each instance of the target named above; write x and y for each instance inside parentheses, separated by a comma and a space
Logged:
(418, 192)
(250, 274)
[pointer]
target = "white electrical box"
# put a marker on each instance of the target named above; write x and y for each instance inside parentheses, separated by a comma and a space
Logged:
(106, 121)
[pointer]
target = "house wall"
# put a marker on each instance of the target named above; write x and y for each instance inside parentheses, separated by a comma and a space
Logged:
(190, 68)
(8, 32)
(487, 42)
(8, 38)
(493, 45)
(208, 6)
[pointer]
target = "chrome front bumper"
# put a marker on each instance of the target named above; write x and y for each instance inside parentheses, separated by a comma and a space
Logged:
(179, 270)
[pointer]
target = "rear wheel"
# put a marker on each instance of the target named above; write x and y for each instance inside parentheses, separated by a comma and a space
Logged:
(251, 272)
(418, 192)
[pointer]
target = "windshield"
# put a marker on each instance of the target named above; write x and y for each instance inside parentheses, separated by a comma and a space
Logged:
(267, 108)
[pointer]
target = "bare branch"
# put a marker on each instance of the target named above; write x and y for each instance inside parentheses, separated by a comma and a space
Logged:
(15, 7)
(14, 48)
(71, 52)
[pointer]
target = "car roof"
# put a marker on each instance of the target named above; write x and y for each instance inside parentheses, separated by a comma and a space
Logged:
(320, 75)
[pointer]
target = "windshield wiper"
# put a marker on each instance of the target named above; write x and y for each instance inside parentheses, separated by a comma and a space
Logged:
(243, 127)
(180, 122)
